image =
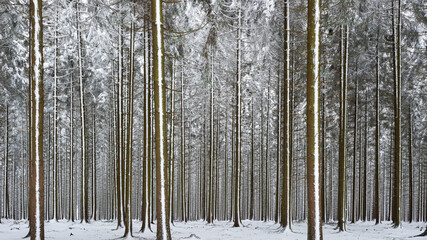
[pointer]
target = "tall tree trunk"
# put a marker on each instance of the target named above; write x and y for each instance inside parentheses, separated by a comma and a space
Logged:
(162, 205)
(129, 149)
(313, 88)
(286, 168)
(71, 181)
(94, 167)
(356, 106)
(37, 103)
(30, 109)
(377, 139)
(410, 210)
(342, 182)
(55, 125)
(236, 212)
(278, 142)
(251, 208)
(84, 197)
(397, 187)
(182, 165)
(146, 166)
(211, 147)
(365, 167)
(6, 166)
(323, 154)
(225, 206)
(172, 144)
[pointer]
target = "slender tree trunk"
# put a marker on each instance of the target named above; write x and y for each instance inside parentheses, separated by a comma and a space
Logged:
(356, 106)
(30, 111)
(377, 139)
(279, 120)
(84, 197)
(410, 210)
(6, 166)
(226, 168)
(286, 168)
(172, 144)
(323, 146)
(313, 88)
(55, 126)
(162, 205)
(251, 208)
(37, 104)
(211, 147)
(129, 149)
(182, 165)
(71, 181)
(267, 156)
(342, 182)
(397, 187)
(236, 212)
(146, 204)
(365, 167)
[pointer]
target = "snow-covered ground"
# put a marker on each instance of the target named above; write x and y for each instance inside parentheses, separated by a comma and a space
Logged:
(11, 230)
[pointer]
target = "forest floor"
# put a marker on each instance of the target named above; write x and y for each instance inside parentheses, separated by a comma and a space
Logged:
(221, 230)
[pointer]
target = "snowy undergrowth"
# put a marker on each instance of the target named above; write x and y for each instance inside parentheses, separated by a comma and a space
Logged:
(14, 230)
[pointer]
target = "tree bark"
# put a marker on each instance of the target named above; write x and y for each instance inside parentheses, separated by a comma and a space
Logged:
(236, 212)
(146, 166)
(286, 168)
(377, 139)
(356, 106)
(37, 104)
(162, 205)
(410, 210)
(342, 182)
(84, 197)
(313, 160)
(397, 187)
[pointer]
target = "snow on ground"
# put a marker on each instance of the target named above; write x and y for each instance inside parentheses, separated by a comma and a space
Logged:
(222, 230)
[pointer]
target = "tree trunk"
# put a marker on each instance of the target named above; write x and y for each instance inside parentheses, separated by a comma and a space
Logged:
(211, 147)
(236, 212)
(313, 88)
(6, 167)
(182, 165)
(286, 168)
(342, 182)
(128, 161)
(172, 144)
(365, 166)
(267, 156)
(323, 154)
(55, 126)
(84, 197)
(37, 102)
(162, 205)
(356, 106)
(279, 112)
(410, 210)
(377, 139)
(251, 208)
(71, 181)
(397, 187)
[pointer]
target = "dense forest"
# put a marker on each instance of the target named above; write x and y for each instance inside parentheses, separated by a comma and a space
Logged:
(213, 119)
